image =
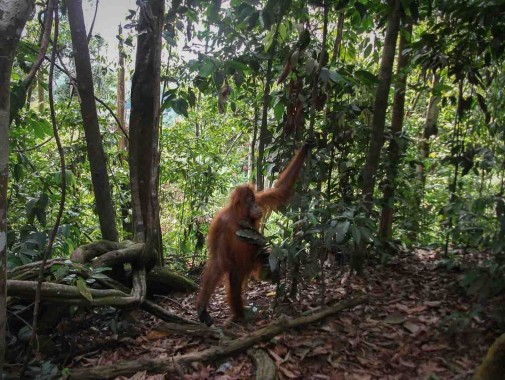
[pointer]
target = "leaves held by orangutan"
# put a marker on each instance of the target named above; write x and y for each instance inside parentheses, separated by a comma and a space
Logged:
(250, 235)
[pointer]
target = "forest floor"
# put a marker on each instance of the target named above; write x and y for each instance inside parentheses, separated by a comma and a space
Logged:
(413, 327)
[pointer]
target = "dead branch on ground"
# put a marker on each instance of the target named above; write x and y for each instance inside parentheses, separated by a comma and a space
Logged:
(226, 349)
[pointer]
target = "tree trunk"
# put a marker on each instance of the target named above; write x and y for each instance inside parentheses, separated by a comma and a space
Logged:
(252, 152)
(13, 16)
(144, 133)
(263, 135)
(338, 40)
(122, 141)
(395, 150)
(379, 120)
(120, 102)
(96, 154)
(380, 105)
(40, 92)
(430, 126)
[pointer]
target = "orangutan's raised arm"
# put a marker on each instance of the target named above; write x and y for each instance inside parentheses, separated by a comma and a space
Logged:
(272, 198)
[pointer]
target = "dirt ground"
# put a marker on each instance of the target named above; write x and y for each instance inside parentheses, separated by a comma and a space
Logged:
(415, 326)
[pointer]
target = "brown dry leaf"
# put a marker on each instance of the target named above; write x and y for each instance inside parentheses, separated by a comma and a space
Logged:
(278, 360)
(412, 327)
(402, 307)
(156, 334)
(328, 328)
(433, 347)
(394, 301)
(345, 320)
(155, 377)
(394, 318)
(281, 350)
(429, 368)
(321, 350)
(142, 375)
(417, 309)
(364, 361)
(407, 364)
(302, 353)
(358, 376)
(288, 373)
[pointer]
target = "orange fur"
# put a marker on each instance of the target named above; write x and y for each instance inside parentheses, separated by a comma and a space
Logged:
(231, 256)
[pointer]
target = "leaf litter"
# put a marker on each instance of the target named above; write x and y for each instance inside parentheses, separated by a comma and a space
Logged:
(402, 333)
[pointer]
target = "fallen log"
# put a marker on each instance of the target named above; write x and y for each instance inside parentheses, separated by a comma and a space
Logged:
(228, 348)
(68, 294)
(160, 281)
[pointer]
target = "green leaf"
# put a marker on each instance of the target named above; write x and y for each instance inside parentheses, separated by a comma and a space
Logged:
(366, 77)
(310, 66)
(238, 78)
(46, 126)
(356, 234)
(368, 51)
(100, 276)
(279, 111)
(180, 107)
(341, 230)
(324, 75)
(304, 39)
(191, 97)
(30, 213)
(238, 65)
(83, 289)
(251, 236)
(208, 67)
(17, 98)
(268, 40)
(18, 172)
(283, 31)
(201, 83)
(37, 129)
(41, 217)
(101, 269)
(366, 234)
(69, 178)
(362, 9)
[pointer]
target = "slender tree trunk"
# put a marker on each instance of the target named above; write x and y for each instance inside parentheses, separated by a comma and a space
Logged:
(379, 120)
(429, 126)
(144, 131)
(381, 105)
(343, 175)
(457, 146)
(338, 40)
(395, 151)
(252, 151)
(120, 101)
(13, 16)
(122, 141)
(424, 152)
(40, 92)
(96, 154)
(263, 135)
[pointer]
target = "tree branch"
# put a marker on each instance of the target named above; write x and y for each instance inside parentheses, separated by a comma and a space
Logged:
(226, 349)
